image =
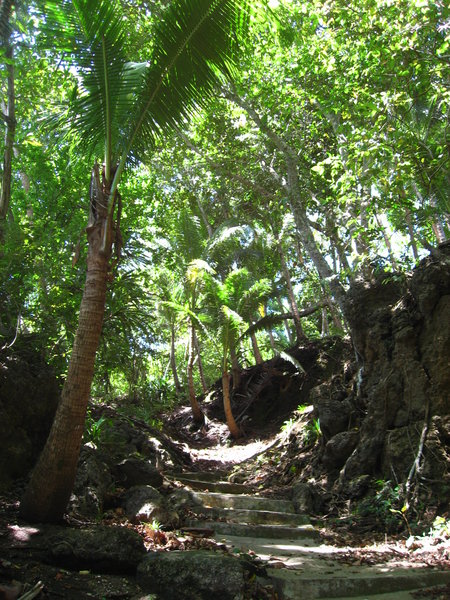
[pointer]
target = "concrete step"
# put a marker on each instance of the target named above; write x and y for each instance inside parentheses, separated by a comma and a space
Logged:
(271, 532)
(198, 475)
(255, 517)
(215, 486)
(242, 501)
(439, 593)
(353, 582)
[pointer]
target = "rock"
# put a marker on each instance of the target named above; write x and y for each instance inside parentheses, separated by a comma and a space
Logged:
(303, 498)
(144, 503)
(100, 549)
(192, 575)
(91, 484)
(339, 448)
(401, 332)
(134, 471)
(29, 395)
(399, 450)
(355, 488)
(332, 408)
(182, 498)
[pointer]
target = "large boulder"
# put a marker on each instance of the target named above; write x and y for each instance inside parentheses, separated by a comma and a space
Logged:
(100, 549)
(192, 575)
(145, 503)
(29, 395)
(339, 448)
(136, 471)
(92, 483)
(401, 332)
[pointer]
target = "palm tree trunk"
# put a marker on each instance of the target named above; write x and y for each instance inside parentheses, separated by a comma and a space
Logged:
(256, 350)
(231, 423)
(173, 363)
(200, 365)
(196, 410)
(235, 368)
(49, 489)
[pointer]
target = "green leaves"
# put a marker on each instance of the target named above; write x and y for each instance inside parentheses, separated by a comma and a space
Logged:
(127, 106)
(195, 45)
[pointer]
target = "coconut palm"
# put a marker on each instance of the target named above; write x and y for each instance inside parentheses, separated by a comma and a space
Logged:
(229, 302)
(119, 112)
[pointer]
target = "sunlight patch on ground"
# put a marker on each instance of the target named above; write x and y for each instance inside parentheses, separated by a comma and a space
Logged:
(234, 454)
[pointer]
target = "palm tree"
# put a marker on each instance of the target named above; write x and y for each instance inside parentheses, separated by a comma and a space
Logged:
(121, 110)
(230, 302)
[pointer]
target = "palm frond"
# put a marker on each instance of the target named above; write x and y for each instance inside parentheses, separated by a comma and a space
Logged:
(195, 45)
(189, 239)
(92, 37)
(259, 292)
(196, 269)
(265, 323)
(224, 234)
(293, 361)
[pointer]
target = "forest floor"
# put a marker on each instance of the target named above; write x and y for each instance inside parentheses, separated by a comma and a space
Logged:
(257, 460)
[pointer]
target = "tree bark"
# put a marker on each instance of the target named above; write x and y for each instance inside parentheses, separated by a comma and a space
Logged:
(235, 368)
(49, 489)
(200, 365)
(256, 350)
(292, 301)
(231, 423)
(173, 363)
(10, 118)
(196, 410)
(325, 326)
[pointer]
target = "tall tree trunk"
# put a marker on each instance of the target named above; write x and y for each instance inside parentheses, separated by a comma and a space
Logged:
(412, 239)
(173, 362)
(231, 423)
(325, 327)
(387, 241)
(196, 410)
(51, 483)
(200, 365)
(437, 224)
(206, 223)
(256, 351)
(235, 368)
(10, 119)
(49, 489)
(291, 296)
(286, 324)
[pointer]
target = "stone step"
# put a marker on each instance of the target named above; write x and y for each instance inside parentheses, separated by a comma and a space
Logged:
(215, 486)
(439, 592)
(353, 582)
(242, 501)
(198, 475)
(254, 517)
(281, 532)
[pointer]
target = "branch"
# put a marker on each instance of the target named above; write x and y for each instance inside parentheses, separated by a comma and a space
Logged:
(269, 320)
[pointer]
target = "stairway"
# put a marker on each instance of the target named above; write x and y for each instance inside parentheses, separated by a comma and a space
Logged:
(298, 564)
